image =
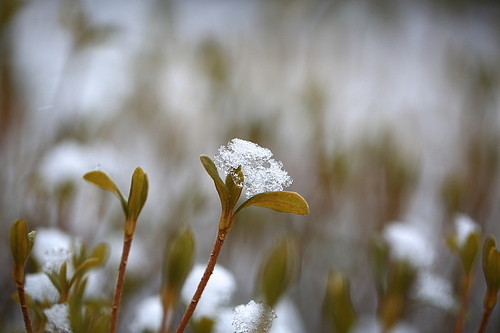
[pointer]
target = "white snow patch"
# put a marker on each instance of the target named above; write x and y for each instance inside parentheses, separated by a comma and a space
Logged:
(408, 243)
(148, 315)
(217, 294)
(57, 319)
(39, 287)
(464, 227)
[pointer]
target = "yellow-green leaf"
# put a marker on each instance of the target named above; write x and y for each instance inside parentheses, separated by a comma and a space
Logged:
(282, 201)
(103, 181)
(138, 194)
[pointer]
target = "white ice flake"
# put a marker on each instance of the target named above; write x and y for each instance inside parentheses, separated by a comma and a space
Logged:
(253, 317)
(261, 172)
(39, 287)
(464, 227)
(407, 243)
(57, 319)
(217, 294)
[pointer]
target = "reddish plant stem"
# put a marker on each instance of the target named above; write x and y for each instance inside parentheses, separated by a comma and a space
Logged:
(484, 321)
(127, 244)
(203, 282)
(24, 307)
(459, 326)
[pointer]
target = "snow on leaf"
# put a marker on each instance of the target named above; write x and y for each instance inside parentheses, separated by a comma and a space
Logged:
(261, 172)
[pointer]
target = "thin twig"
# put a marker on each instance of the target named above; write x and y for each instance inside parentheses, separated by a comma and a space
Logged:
(484, 320)
(203, 282)
(127, 244)
(459, 326)
(24, 307)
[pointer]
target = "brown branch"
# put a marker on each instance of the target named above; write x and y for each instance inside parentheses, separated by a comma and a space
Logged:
(484, 320)
(127, 244)
(459, 325)
(24, 307)
(203, 282)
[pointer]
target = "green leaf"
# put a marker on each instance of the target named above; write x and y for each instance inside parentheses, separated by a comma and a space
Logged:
(282, 201)
(103, 181)
(211, 169)
(20, 248)
(138, 194)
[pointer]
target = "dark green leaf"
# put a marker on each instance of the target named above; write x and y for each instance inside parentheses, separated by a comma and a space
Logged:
(20, 248)
(233, 187)
(284, 202)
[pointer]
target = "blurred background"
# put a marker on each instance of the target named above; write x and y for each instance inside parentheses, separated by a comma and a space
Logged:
(380, 111)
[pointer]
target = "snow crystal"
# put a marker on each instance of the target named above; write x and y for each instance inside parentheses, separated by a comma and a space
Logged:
(261, 172)
(54, 258)
(253, 318)
(464, 227)
(434, 290)
(148, 315)
(57, 319)
(407, 243)
(39, 287)
(217, 294)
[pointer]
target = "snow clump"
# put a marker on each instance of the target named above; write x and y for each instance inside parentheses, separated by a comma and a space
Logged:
(261, 172)
(253, 317)
(57, 319)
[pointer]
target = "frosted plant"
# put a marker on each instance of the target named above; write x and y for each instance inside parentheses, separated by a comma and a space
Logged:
(57, 319)
(40, 288)
(253, 318)
(261, 172)
(54, 258)
(243, 163)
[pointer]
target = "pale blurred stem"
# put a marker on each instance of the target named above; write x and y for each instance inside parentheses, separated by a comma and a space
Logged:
(464, 293)
(484, 320)
(127, 243)
(221, 236)
(24, 307)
